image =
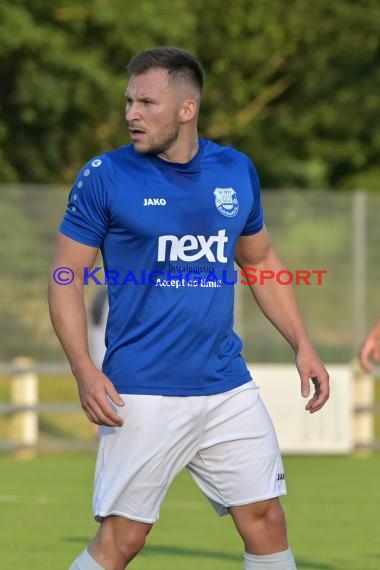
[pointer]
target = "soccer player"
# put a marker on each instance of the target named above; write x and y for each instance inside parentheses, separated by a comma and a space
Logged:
(370, 349)
(170, 213)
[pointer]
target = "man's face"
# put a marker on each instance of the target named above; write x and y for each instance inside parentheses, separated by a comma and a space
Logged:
(153, 111)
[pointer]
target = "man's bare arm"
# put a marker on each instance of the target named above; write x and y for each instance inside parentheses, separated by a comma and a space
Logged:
(68, 316)
(370, 349)
(279, 304)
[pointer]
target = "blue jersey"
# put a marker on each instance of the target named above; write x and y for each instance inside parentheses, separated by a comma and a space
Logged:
(167, 232)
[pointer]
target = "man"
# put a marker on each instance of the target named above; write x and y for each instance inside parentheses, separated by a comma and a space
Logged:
(370, 349)
(168, 211)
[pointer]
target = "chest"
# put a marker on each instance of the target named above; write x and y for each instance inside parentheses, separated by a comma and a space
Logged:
(160, 203)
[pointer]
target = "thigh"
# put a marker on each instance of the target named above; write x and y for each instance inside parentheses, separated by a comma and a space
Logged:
(137, 462)
(239, 461)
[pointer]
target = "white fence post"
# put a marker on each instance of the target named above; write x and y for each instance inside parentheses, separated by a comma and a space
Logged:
(364, 399)
(359, 267)
(24, 392)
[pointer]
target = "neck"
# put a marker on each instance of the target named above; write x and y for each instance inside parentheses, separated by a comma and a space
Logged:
(181, 151)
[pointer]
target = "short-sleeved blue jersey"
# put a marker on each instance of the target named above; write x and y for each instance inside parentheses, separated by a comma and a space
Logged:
(167, 232)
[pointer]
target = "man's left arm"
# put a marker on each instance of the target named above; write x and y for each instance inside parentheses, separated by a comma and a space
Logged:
(279, 304)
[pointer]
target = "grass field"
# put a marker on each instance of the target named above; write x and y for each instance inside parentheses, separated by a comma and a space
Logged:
(333, 512)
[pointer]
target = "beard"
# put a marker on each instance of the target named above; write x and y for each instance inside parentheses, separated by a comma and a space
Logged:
(163, 143)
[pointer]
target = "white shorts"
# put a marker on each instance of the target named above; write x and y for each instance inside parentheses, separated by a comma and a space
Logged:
(226, 441)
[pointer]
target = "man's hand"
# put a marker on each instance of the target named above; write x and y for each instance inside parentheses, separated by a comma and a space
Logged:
(311, 368)
(96, 392)
(370, 350)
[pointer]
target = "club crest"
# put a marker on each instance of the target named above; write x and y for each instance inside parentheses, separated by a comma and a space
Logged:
(226, 201)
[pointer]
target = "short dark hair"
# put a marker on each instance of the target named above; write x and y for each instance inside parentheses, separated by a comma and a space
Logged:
(180, 64)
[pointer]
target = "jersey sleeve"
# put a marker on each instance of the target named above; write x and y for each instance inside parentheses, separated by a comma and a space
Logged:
(87, 215)
(255, 220)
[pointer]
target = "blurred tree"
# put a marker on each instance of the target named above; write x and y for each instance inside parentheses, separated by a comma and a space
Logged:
(62, 65)
(295, 86)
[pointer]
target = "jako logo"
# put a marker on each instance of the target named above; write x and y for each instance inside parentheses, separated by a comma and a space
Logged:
(178, 247)
(154, 202)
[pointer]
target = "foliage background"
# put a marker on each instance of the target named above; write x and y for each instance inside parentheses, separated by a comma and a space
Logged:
(294, 86)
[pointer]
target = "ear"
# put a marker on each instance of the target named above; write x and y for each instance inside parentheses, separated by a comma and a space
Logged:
(189, 110)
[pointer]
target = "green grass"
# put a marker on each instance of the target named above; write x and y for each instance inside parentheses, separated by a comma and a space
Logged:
(332, 511)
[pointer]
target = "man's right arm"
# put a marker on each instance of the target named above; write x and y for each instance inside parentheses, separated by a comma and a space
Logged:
(68, 316)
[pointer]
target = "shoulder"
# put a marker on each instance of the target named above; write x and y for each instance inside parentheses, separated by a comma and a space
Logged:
(103, 163)
(99, 170)
(95, 168)
(226, 154)
(236, 161)
(120, 153)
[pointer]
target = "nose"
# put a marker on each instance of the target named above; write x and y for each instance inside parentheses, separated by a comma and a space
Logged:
(132, 112)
